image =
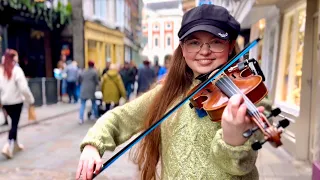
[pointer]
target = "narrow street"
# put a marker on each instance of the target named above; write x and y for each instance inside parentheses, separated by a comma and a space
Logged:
(52, 152)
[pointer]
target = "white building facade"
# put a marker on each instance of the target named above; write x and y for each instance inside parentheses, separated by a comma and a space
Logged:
(161, 23)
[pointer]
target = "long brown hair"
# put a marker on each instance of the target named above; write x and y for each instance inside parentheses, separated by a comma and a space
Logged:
(9, 62)
(178, 81)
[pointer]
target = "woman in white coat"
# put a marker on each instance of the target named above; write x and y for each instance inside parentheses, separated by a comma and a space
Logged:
(14, 90)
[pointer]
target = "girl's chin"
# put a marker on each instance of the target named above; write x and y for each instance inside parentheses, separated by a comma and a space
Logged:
(203, 71)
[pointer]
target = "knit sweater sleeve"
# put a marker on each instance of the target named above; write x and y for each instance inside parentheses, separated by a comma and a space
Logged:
(234, 160)
(119, 124)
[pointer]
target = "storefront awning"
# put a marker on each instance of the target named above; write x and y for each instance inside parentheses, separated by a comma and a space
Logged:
(257, 13)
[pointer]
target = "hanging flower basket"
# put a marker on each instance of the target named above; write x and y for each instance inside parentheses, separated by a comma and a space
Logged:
(54, 16)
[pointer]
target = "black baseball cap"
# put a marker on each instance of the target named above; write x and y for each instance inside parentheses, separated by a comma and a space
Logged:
(210, 18)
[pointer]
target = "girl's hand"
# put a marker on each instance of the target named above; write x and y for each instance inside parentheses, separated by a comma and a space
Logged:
(90, 162)
(235, 122)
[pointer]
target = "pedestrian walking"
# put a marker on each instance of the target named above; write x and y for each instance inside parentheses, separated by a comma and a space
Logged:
(146, 76)
(14, 90)
(89, 80)
(72, 73)
(189, 146)
(112, 87)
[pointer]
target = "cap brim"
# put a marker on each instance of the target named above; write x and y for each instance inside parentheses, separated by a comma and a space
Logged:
(207, 28)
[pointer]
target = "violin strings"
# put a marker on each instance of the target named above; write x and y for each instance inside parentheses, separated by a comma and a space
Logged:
(250, 105)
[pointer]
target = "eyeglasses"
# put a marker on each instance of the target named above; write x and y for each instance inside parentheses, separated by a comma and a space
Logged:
(194, 45)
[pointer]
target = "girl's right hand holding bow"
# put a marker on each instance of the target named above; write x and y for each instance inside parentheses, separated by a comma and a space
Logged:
(90, 162)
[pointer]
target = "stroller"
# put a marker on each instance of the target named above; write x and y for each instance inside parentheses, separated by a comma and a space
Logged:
(100, 105)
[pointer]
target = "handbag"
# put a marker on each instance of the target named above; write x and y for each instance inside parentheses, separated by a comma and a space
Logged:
(32, 113)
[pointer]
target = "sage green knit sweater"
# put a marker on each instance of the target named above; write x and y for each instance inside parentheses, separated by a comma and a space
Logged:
(191, 147)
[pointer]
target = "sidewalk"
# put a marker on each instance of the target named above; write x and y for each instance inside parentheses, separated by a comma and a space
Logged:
(43, 113)
(277, 164)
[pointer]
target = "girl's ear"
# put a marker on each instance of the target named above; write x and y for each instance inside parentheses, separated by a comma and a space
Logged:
(181, 45)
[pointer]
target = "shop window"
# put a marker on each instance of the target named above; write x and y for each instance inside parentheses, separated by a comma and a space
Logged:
(291, 56)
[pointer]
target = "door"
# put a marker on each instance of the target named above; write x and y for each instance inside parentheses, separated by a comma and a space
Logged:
(314, 153)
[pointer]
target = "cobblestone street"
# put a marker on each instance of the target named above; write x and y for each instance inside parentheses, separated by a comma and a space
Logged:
(52, 152)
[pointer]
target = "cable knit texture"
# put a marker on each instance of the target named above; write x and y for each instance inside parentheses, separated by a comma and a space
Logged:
(191, 147)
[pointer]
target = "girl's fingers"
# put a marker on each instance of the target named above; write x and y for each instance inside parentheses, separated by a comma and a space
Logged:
(241, 114)
(79, 169)
(84, 170)
(90, 169)
(98, 166)
(235, 103)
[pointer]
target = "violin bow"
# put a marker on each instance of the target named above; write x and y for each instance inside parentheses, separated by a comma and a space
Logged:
(203, 84)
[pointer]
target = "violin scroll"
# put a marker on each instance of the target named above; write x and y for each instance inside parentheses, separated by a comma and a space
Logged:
(271, 133)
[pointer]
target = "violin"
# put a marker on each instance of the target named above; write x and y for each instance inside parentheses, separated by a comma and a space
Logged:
(240, 79)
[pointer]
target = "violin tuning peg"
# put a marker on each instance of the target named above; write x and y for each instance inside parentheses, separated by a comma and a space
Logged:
(283, 123)
(257, 145)
(275, 112)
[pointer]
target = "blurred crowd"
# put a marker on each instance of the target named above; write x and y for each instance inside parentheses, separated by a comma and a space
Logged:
(105, 89)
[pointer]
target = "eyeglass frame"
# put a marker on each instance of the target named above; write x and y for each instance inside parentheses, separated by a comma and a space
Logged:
(225, 42)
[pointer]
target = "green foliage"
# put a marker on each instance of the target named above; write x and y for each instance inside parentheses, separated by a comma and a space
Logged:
(54, 17)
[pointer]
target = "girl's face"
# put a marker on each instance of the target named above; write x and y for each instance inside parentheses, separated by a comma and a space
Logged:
(204, 52)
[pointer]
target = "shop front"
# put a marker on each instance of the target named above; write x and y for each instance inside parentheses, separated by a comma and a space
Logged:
(103, 45)
(288, 55)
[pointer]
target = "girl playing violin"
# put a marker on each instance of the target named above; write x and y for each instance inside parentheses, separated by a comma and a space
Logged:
(189, 147)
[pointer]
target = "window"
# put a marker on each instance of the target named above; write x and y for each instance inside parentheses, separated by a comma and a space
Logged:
(168, 41)
(100, 8)
(108, 53)
(144, 40)
(156, 42)
(168, 26)
(155, 27)
(291, 55)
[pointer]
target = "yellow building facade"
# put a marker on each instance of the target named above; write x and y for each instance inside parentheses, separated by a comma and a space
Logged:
(103, 45)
